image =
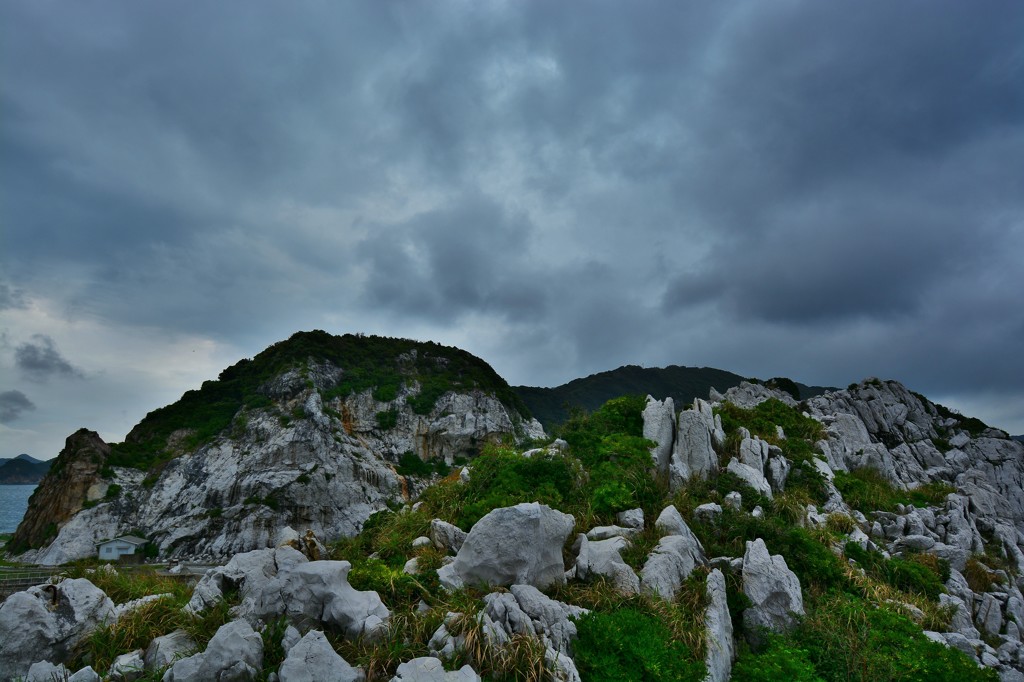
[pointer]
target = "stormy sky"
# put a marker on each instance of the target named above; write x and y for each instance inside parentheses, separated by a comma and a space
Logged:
(820, 190)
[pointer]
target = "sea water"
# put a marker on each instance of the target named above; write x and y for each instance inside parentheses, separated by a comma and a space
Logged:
(13, 503)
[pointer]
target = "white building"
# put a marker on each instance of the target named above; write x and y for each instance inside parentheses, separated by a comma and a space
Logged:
(125, 545)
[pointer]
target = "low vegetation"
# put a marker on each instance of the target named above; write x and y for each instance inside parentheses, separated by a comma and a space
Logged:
(869, 490)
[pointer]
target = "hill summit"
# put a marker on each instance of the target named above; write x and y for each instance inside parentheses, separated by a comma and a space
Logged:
(318, 431)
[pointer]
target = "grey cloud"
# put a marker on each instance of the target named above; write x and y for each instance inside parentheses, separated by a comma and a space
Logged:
(12, 405)
(811, 189)
(11, 298)
(473, 257)
(40, 360)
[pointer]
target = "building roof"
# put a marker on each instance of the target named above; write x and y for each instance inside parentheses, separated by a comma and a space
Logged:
(130, 539)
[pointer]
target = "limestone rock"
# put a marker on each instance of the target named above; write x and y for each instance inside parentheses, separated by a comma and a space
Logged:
(445, 536)
(604, 558)
(428, 669)
(163, 651)
(669, 565)
(631, 518)
(751, 476)
(317, 594)
(748, 395)
(708, 512)
(718, 623)
(660, 426)
(127, 667)
(313, 659)
(773, 589)
(520, 544)
(692, 454)
(47, 623)
(234, 653)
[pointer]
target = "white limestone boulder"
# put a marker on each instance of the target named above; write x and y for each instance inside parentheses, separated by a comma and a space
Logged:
(430, 669)
(671, 562)
(235, 652)
(773, 589)
(512, 545)
(720, 648)
(48, 622)
(313, 659)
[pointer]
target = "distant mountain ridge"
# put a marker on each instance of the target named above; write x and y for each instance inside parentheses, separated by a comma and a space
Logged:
(22, 470)
(551, 405)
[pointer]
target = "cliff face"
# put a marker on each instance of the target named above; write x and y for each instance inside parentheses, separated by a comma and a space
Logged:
(302, 462)
(73, 480)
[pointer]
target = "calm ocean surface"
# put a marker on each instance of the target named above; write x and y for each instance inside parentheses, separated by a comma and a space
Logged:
(13, 503)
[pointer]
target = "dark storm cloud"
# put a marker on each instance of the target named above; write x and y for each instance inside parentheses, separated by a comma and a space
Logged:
(40, 360)
(822, 190)
(12, 405)
(441, 264)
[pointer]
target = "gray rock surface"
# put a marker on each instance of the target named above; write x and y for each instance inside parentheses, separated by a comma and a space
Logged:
(660, 426)
(631, 518)
(692, 453)
(671, 562)
(48, 622)
(604, 558)
(312, 659)
(447, 537)
(234, 653)
(165, 650)
(773, 589)
(127, 667)
(718, 624)
(429, 669)
(317, 594)
(520, 544)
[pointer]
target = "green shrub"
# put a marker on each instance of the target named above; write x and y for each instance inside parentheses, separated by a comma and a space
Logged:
(779, 659)
(395, 587)
(502, 477)
(387, 419)
(868, 490)
(762, 420)
(627, 645)
(847, 639)
(410, 464)
(113, 490)
(903, 574)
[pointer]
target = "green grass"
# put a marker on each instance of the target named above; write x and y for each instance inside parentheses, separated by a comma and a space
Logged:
(868, 490)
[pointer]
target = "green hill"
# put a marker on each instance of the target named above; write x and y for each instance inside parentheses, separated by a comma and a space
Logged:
(551, 405)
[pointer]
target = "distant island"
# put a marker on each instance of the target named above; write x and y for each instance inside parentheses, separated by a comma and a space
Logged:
(22, 470)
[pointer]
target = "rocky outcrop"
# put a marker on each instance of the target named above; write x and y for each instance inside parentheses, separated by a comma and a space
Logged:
(660, 426)
(720, 648)
(773, 589)
(604, 558)
(430, 669)
(324, 472)
(520, 544)
(282, 582)
(73, 480)
(313, 659)
(234, 653)
(47, 623)
(684, 445)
